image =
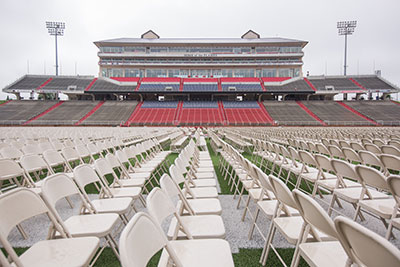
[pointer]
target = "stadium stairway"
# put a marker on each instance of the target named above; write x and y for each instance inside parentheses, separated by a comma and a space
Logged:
(356, 112)
(8, 101)
(358, 84)
(223, 113)
(90, 113)
(90, 84)
(44, 84)
(219, 85)
(136, 110)
(181, 85)
(310, 113)
(138, 84)
(262, 85)
(310, 84)
(178, 112)
(264, 110)
(43, 113)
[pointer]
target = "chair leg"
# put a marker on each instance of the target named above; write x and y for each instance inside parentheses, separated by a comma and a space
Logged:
(268, 244)
(246, 207)
(254, 224)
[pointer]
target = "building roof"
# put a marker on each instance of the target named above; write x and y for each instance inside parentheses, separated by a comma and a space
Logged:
(144, 41)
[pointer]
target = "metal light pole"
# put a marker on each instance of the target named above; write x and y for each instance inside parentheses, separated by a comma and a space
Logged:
(346, 28)
(56, 29)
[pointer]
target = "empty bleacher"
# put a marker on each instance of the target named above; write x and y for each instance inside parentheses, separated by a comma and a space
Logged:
(160, 84)
(244, 113)
(200, 84)
(291, 87)
(111, 113)
(29, 82)
(69, 113)
(241, 84)
(62, 83)
(383, 112)
(337, 84)
(17, 112)
(102, 85)
(288, 113)
(201, 112)
(154, 113)
(373, 83)
(333, 113)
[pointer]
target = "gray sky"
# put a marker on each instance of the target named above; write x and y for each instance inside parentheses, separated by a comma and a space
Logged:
(375, 43)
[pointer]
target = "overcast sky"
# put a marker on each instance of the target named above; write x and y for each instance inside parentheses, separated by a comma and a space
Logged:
(375, 44)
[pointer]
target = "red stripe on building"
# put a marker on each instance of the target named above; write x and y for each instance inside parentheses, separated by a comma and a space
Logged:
(44, 84)
(90, 84)
(310, 113)
(357, 113)
(90, 112)
(358, 84)
(310, 84)
(44, 112)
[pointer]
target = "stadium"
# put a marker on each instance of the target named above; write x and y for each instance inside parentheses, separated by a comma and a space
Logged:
(249, 161)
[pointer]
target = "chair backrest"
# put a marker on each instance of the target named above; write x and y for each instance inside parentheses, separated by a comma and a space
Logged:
(53, 158)
(356, 146)
(82, 151)
(351, 155)
(10, 169)
(373, 148)
(159, 205)
(169, 186)
(394, 186)
(58, 186)
(70, 153)
(322, 149)
(141, 238)
(102, 167)
(335, 151)
(84, 175)
(363, 246)
(323, 162)
(32, 162)
(3, 260)
(282, 192)
(313, 213)
(369, 158)
(307, 158)
(372, 177)
(174, 172)
(344, 169)
(11, 152)
(29, 149)
(389, 149)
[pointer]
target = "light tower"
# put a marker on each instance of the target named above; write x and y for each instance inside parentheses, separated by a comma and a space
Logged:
(56, 29)
(346, 28)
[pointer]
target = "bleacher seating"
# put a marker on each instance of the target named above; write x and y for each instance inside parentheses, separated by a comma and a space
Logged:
(102, 85)
(244, 113)
(200, 87)
(200, 104)
(242, 87)
(29, 82)
(159, 87)
(200, 112)
(155, 113)
(17, 112)
(334, 114)
(68, 113)
(373, 83)
(338, 84)
(288, 113)
(111, 113)
(296, 86)
(62, 83)
(383, 112)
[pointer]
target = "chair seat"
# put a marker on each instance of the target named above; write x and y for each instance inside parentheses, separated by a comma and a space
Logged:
(140, 175)
(61, 252)
(205, 192)
(290, 228)
(133, 192)
(331, 184)
(205, 169)
(144, 169)
(132, 182)
(117, 205)
(382, 207)
(98, 225)
(200, 227)
(324, 254)
(205, 206)
(255, 193)
(205, 175)
(204, 182)
(352, 194)
(268, 208)
(200, 253)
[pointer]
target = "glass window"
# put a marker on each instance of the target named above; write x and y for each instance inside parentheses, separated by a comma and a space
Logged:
(284, 73)
(132, 73)
(156, 73)
(200, 73)
(227, 73)
(135, 49)
(174, 73)
(244, 72)
(269, 73)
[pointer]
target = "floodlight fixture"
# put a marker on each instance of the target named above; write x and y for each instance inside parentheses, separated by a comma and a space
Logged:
(55, 29)
(346, 28)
